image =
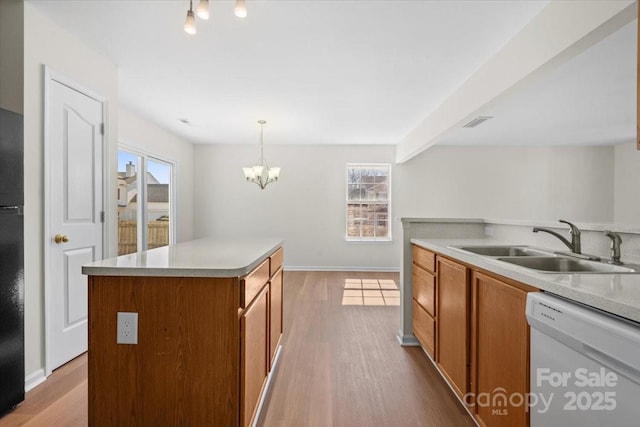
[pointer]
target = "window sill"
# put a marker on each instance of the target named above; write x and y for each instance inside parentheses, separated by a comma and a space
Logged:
(374, 241)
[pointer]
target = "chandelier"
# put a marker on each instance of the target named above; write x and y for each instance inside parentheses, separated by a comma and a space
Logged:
(240, 10)
(261, 173)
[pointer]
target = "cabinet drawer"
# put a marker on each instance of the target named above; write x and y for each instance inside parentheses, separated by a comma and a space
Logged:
(424, 258)
(276, 261)
(424, 328)
(424, 289)
(251, 285)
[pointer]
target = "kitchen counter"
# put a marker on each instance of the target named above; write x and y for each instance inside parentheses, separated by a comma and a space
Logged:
(206, 257)
(188, 332)
(618, 294)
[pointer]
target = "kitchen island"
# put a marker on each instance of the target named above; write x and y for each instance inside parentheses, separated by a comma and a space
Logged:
(207, 321)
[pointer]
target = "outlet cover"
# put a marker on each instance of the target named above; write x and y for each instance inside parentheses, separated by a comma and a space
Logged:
(127, 328)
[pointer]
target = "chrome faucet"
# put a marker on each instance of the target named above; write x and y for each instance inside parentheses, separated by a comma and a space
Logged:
(574, 246)
(616, 241)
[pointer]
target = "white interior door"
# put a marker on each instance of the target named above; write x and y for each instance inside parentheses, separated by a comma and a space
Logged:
(75, 161)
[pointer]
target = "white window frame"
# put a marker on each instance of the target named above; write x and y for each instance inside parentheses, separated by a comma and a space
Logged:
(375, 239)
(141, 214)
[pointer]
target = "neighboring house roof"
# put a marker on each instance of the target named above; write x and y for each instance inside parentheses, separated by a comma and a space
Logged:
(156, 193)
(127, 180)
(132, 179)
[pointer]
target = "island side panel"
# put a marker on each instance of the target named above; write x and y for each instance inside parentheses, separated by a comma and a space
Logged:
(184, 369)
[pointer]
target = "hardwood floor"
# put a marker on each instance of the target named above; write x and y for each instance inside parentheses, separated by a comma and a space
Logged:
(61, 401)
(340, 365)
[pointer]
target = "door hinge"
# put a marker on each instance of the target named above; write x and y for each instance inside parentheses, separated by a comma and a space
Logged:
(102, 129)
(102, 216)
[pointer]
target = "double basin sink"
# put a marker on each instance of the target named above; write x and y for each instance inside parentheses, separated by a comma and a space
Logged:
(545, 261)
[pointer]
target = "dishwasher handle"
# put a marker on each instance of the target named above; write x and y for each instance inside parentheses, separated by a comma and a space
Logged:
(615, 365)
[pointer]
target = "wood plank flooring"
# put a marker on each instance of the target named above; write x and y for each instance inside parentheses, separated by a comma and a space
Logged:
(340, 365)
(61, 401)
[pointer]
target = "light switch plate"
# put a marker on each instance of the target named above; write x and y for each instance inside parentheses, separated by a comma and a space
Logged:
(127, 328)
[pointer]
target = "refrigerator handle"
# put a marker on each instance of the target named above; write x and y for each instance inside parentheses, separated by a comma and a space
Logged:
(11, 210)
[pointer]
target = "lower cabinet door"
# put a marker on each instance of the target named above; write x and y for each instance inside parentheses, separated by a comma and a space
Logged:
(500, 353)
(275, 313)
(453, 323)
(253, 355)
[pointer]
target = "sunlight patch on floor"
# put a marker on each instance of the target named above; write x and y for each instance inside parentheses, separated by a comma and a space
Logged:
(371, 292)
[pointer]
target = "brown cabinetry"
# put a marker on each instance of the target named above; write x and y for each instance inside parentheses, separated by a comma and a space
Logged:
(500, 350)
(453, 323)
(254, 327)
(275, 313)
(205, 347)
(424, 297)
(472, 323)
(424, 328)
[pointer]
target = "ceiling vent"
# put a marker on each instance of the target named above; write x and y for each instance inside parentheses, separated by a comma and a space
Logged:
(475, 122)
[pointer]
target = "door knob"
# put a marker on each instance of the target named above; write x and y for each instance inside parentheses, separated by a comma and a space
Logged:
(61, 238)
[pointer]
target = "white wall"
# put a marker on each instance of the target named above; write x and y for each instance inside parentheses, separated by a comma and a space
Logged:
(521, 183)
(138, 133)
(306, 207)
(47, 43)
(627, 185)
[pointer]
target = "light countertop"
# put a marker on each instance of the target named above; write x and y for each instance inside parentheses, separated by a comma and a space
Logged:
(206, 257)
(618, 294)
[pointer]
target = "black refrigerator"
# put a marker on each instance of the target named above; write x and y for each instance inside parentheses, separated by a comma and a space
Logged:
(11, 260)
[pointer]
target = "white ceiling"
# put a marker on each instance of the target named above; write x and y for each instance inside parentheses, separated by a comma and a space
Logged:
(589, 100)
(320, 72)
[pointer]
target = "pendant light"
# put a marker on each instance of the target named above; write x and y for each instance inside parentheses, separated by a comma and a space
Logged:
(190, 22)
(261, 174)
(203, 9)
(240, 10)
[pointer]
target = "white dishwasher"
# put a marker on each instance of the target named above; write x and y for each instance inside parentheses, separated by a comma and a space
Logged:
(585, 365)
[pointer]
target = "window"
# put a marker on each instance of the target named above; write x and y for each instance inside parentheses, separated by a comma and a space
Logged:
(368, 201)
(145, 219)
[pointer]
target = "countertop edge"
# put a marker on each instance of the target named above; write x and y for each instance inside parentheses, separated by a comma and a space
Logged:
(186, 271)
(549, 282)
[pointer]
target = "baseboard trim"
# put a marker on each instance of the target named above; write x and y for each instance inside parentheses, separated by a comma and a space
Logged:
(343, 268)
(34, 379)
(409, 340)
(455, 393)
(267, 387)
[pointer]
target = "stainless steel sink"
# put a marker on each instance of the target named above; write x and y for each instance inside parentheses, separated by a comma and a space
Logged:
(561, 264)
(503, 250)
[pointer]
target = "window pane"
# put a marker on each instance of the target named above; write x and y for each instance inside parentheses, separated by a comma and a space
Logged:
(353, 175)
(128, 164)
(369, 185)
(355, 192)
(353, 220)
(158, 181)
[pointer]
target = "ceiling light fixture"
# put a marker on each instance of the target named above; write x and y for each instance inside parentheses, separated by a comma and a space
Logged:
(190, 22)
(203, 9)
(240, 10)
(261, 174)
